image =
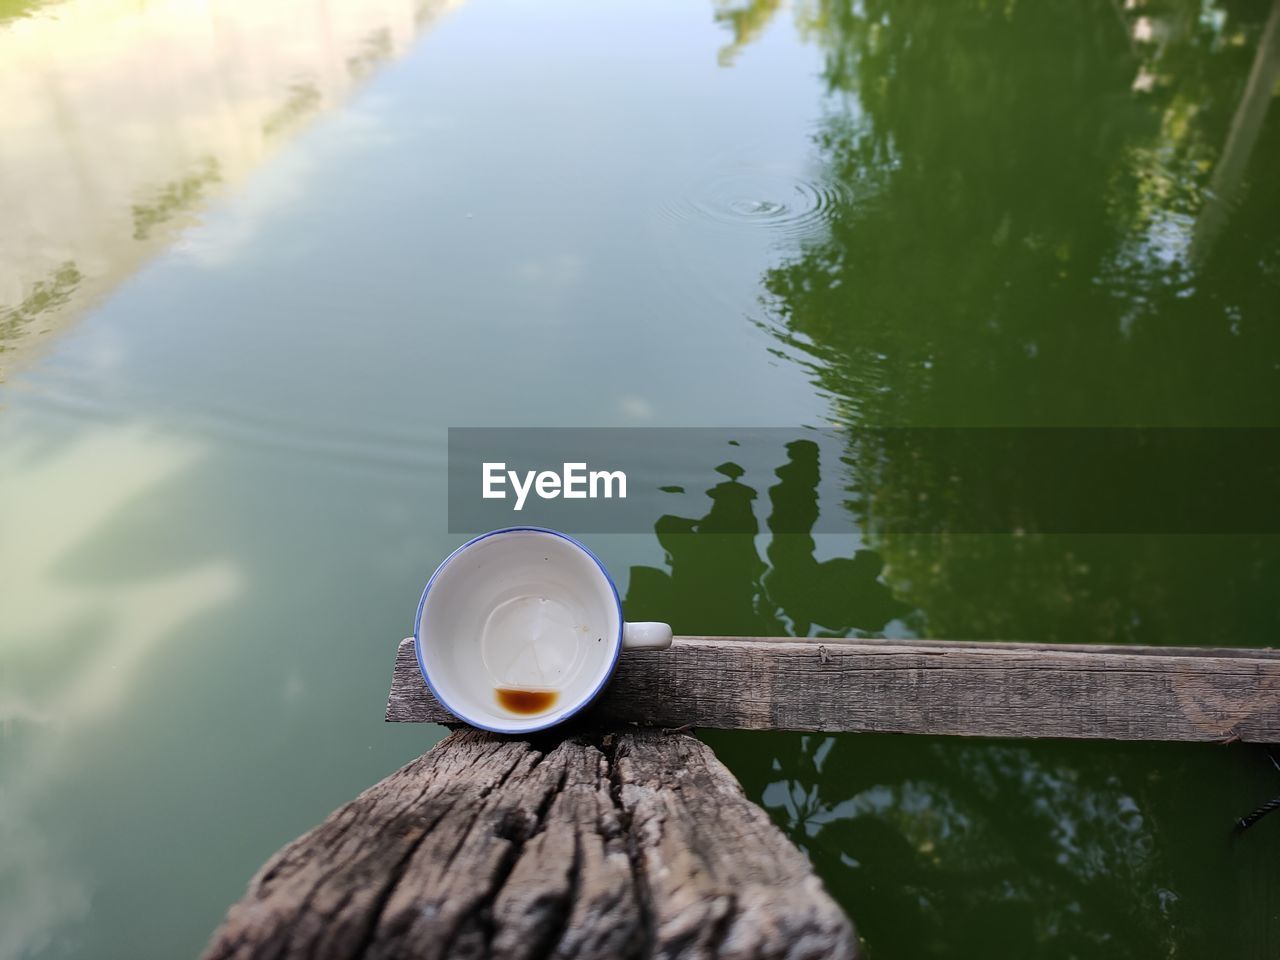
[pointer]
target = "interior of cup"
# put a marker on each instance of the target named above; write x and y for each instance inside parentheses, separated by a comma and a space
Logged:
(518, 629)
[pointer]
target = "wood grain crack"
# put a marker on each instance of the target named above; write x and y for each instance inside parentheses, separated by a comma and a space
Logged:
(631, 845)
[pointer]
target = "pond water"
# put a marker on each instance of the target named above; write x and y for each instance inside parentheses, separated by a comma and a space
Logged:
(256, 259)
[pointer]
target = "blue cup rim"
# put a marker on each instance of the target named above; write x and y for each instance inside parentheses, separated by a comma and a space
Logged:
(582, 704)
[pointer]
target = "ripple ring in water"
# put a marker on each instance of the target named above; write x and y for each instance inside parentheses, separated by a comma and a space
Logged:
(754, 199)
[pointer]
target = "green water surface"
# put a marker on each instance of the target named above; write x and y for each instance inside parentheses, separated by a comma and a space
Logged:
(222, 472)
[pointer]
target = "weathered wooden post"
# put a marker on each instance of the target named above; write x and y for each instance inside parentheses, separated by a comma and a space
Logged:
(951, 687)
(639, 843)
(636, 844)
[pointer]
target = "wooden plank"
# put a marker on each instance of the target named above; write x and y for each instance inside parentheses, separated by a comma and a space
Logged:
(929, 687)
(626, 845)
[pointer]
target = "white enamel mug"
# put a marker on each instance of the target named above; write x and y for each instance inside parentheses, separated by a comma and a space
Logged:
(520, 629)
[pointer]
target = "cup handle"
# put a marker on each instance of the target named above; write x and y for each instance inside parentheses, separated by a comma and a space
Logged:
(646, 636)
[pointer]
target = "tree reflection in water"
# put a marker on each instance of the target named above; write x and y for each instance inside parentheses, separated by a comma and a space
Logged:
(1059, 213)
(953, 847)
(1018, 245)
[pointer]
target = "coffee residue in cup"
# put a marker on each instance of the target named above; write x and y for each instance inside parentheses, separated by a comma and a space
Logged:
(526, 701)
